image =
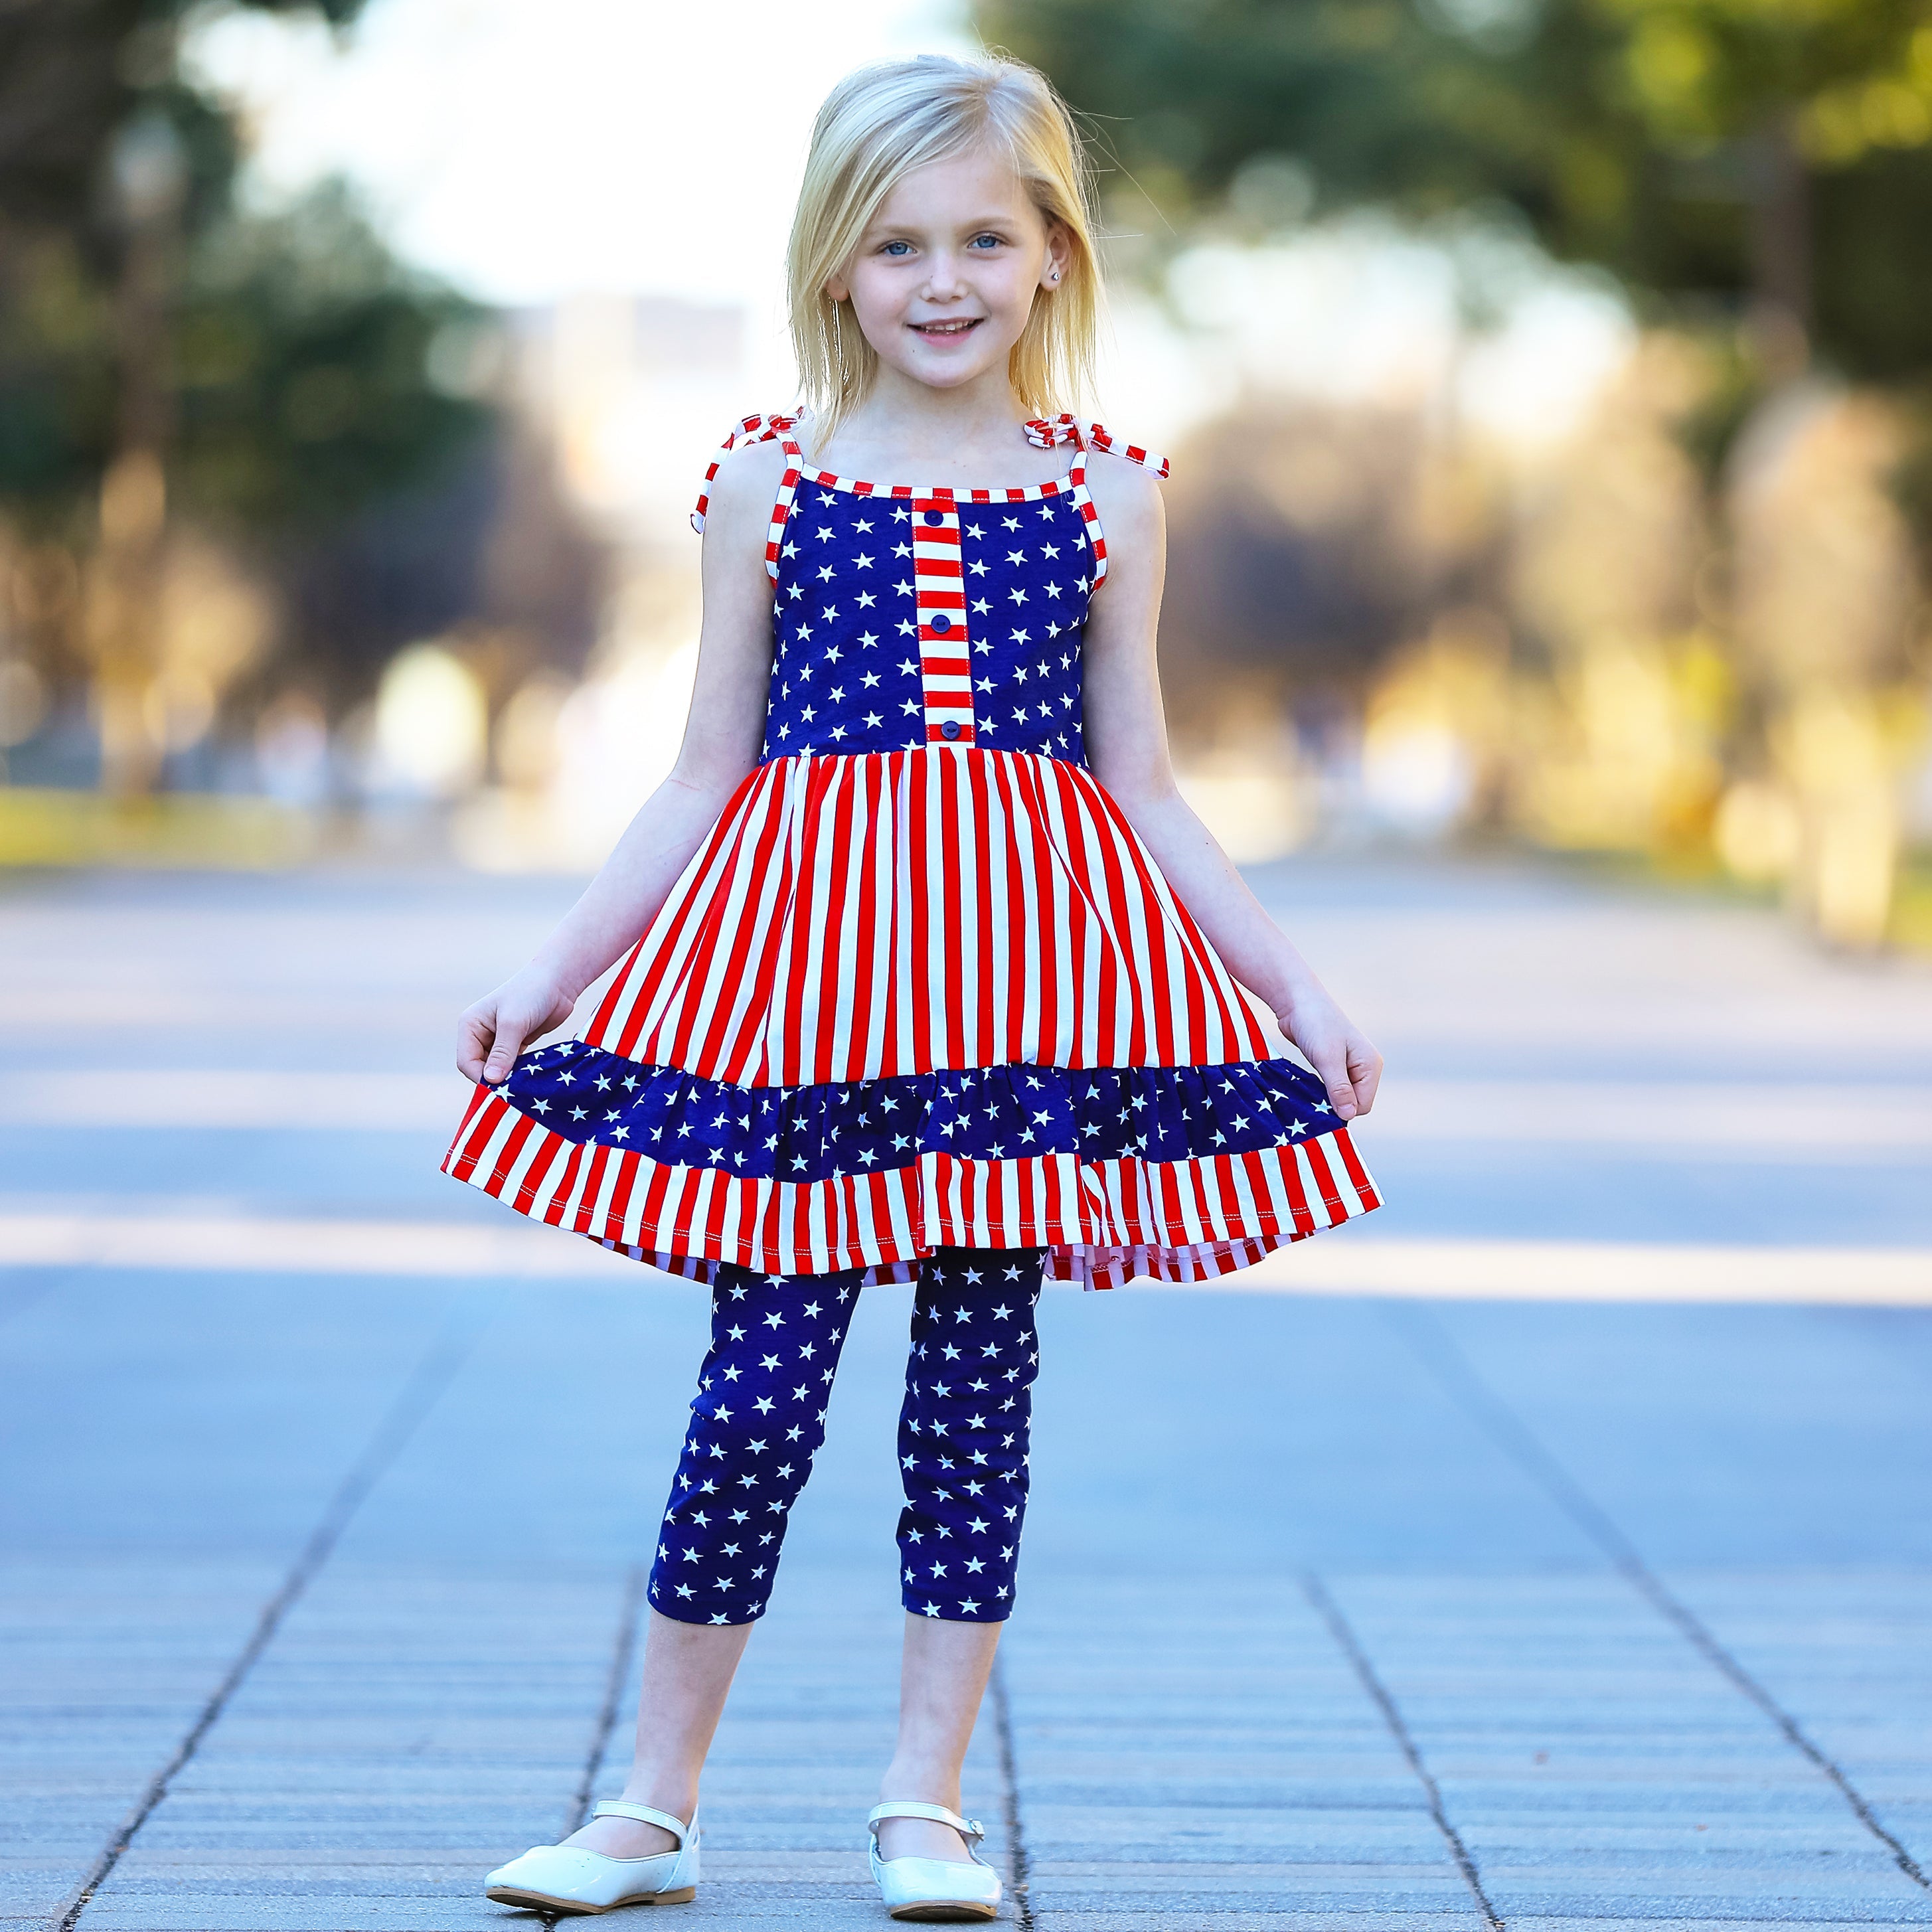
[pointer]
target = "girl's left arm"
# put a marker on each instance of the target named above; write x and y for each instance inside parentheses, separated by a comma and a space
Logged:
(1126, 733)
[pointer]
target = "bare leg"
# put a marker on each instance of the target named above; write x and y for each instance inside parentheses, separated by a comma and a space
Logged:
(942, 1679)
(756, 1422)
(687, 1673)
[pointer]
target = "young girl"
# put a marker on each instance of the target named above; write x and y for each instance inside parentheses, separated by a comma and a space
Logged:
(939, 980)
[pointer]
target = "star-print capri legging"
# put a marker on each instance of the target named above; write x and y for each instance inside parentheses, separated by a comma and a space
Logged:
(759, 1416)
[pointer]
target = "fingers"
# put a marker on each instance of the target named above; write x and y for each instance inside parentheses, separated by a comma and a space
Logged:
(488, 1042)
(1333, 1070)
(1365, 1073)
(492, 1033)
(511, 1034)
(473, 1035)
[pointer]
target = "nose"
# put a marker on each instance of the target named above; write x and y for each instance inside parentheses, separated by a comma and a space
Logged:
(942, 278)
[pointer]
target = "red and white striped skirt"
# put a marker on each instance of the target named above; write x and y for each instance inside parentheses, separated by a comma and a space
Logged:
(862, 940)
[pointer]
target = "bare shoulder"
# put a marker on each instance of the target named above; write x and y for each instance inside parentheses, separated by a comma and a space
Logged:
(746, 485)
(1127, 497)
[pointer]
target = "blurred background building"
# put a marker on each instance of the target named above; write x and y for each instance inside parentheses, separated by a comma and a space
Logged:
(1547, 382)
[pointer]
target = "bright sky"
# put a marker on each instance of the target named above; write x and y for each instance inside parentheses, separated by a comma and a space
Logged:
(528, 151)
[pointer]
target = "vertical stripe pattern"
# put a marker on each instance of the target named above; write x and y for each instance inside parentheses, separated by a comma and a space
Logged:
(882, 914)
(856, 1029)
(1034, 925)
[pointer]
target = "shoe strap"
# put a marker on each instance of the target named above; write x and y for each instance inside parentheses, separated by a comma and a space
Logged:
(645, 1814)
(912, 1808)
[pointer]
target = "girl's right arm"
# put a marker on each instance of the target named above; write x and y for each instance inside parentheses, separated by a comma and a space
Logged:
(722, 737)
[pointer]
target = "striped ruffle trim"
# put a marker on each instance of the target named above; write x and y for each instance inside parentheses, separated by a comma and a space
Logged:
(1103, 1222)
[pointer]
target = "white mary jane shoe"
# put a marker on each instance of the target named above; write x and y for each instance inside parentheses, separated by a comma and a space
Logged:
(572, 1878)
(936, 1888)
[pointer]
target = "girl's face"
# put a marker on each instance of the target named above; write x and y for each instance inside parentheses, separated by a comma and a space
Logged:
(944, 278)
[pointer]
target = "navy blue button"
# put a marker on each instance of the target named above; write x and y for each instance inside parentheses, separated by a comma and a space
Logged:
(950, 729)
(942, 623)
(935, 516)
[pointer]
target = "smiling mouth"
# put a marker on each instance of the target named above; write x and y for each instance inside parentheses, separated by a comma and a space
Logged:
(945, 332)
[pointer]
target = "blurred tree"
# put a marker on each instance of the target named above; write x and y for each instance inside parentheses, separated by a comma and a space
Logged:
(1761, 162)
(72, 73)
(1774, 154)
(158, 350)
(304, 354)
(1301, 551)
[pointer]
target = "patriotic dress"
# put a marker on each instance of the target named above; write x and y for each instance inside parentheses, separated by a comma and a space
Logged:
(923, 984)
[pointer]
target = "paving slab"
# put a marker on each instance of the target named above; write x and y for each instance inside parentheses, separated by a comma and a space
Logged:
(1332, 1612)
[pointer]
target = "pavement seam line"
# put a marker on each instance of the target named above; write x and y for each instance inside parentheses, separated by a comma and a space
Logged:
(1018, 1861)
(615, 1680)
(1441, 1355)
(20, 1300)
(425, 1386)
(1343, 1631)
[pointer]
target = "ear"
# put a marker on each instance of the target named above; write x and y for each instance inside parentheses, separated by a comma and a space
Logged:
(1059, 255)
(838, 288)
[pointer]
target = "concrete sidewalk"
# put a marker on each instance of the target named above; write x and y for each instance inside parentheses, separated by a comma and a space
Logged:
(320, 1588)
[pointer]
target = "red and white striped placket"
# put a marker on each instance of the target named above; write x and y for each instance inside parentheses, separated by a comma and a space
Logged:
(945, 641)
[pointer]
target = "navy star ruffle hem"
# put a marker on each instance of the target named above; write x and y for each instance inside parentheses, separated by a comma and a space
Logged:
(589, 1095)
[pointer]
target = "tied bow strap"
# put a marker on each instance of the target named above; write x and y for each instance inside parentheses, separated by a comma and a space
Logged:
(753, 429)
(1055, 432)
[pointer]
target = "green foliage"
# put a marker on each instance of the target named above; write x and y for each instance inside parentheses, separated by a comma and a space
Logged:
(302, 354)
(1873, 285)
(57, 386)
(296, 351)
(73, 73)
(1643, 135)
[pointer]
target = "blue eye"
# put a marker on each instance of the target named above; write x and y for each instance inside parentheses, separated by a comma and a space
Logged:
(906, 246)
(994, 239)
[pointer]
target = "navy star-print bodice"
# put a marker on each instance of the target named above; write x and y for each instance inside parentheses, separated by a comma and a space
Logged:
(902, 620)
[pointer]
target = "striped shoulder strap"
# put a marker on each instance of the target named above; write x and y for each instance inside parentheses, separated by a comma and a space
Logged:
(1052, 432)
(752, 429)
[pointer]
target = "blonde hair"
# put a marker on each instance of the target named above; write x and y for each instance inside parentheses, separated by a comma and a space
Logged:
(879, 123)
